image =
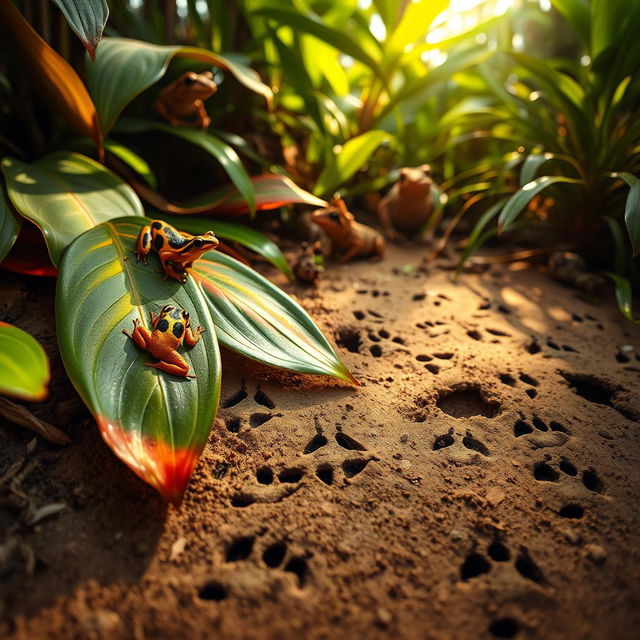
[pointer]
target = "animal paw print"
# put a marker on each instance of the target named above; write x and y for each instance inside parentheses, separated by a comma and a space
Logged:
(432, 365)
(479, 562)
(235, 422)
(274, 556)
(565, 471)
(468, 442)
(272, 486)
(351, 467)
(541, 435)
(532, 383)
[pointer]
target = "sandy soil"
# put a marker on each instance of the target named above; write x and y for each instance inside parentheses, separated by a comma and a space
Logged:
(482, 483)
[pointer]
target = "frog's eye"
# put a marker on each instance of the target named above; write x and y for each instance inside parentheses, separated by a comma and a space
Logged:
(334, 215)
(198, 243)
(185, 315)
(189, 80)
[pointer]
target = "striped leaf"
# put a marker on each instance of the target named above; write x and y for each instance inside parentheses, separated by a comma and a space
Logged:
(65, 194)
(155, 422)
(24, 367)
(260, 321)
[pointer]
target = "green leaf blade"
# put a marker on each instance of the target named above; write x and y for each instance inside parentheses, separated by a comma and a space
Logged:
(24, 366)
(258, 320)
(156, 423)
(10, 225)
(87, 19)
(632, 210)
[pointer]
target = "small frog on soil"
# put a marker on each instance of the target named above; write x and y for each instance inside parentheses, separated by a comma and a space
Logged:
(409, 205)
(349, 239)
(184, 98)
(177, 250)
(170, 328)
(309, 265)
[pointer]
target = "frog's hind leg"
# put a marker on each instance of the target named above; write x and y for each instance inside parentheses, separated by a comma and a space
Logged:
(143, 246)
(178, 366)
(140, 335)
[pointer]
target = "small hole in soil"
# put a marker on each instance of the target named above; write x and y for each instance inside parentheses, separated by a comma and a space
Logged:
(504, 628)
(233, 424)
(567, 467)
(359, 315)
(507, 379)
(423, 357)
(375, 314)
(566, 347)
(373, 337)
(347, 442)
(475, 445)
(445, 440)
(475, 565)
(212, 591)
(398, 340)
(240, 549)
(474, 335)
(262, 398)
(528, 380)
(532, 393)
(527, 568)
(298, 566)
(349, 338)
(499, 552)
(553, 344)
(376, 350)
(533, 347)
(433, 368)
(444, 356)
(545, 473)
(621, 357)
(572, 511)
(521, 428)
(257, 419)
(589, 388)
(291, 475)
(498, 332)
(242, 500)
(383, 333)
(592, 482)
(353, 467)
(540, 424)
(274, 554)
(264, 475)
(315, 443)
(325, 473)
(466, 402)
(235, 399)
(220, 470)
(556, 426)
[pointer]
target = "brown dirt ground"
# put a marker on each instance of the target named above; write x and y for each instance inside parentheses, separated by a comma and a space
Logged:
(482, 483)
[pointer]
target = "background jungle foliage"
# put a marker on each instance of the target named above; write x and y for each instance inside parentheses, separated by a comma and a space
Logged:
(526, 110)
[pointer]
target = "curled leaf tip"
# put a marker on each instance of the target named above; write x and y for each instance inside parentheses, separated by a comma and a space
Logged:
(166, 469)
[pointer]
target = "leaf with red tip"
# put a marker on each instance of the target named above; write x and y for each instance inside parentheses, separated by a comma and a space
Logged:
(157, 423)
(87, 19)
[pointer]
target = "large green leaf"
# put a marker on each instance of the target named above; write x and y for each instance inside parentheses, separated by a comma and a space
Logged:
(87, 19)
(521, 198)
(9, 225)
(632, 210)
(155, 422)
(353, 155)
(65, 194)
(258, 320)
(24, 367)
(124, 68)
(240, 233)
(624, 295)
(133, 160)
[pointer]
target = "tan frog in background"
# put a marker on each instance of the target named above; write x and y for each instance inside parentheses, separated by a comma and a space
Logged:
(184, 98)
(349, 239)
(409, 205)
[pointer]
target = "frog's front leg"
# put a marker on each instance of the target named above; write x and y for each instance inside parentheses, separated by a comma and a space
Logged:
(191, 337)
(203, 117)
(171, 270)
(353, 251)
(175, 365)
(143, 246)
(141, 336)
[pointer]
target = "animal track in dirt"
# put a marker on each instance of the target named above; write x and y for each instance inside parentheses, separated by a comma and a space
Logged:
(543, 471)
(349, 338)
(236, 398)
(466, 401)
(263, 399)
(541, 435)
(445, 440)
(213, 590)
(504, 628)
(597, 391)
(477, 564)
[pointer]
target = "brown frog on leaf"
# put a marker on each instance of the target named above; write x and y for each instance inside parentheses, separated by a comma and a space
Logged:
(349, 239)
(181, 103)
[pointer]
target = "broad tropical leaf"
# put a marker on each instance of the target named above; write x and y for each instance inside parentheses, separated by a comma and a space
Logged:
(155, 422)
(87, 19)
(132, 160)
(353, 155)
(240, 233)
(24, 367)
(124, 68)
(521, 198)
(258, 320)
(272, 191)
(632, 210)
(9, 225)
(58, 83)
(65, 194)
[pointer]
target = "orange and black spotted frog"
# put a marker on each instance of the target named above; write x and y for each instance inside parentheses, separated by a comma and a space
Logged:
(184, 98)
(171, 327)
(177, 250)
